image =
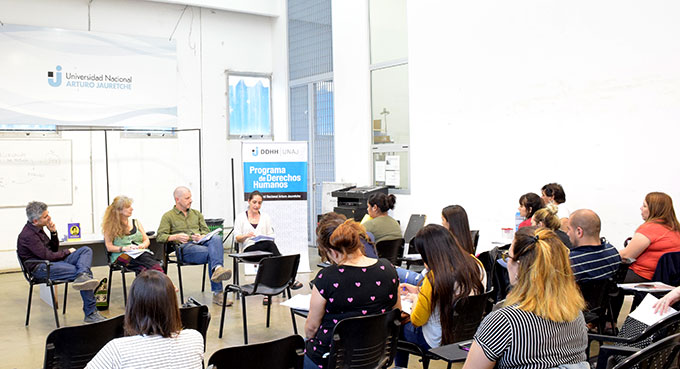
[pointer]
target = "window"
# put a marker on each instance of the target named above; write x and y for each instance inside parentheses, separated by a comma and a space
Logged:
(249, 106)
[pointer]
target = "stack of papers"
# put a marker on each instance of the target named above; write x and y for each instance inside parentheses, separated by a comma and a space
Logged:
(299, 302)
(645, 311)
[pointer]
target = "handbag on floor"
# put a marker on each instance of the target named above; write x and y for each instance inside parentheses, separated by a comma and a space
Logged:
(101, 295)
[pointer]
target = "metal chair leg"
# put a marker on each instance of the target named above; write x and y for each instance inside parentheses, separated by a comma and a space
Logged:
(28, 308)
(65, 296)
(292, 315)
(269, 308)
(108, 286)
(181, 288)
(245, 322)
(122, 274)
(222, 318)
(54, 305)
(205, 267)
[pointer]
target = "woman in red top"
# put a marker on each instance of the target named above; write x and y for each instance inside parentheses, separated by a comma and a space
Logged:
(659, 234)
(529, 203)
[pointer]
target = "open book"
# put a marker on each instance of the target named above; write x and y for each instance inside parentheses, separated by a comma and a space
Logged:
(208, 236)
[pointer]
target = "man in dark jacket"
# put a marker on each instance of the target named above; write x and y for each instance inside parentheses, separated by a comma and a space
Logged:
(73, 265)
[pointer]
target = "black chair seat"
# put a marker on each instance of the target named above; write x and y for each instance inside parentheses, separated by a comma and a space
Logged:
(274, 275)
(284, 353)
(249, 289)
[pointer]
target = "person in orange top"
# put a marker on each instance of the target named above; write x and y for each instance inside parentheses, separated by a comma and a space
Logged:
(659, 234)
(453, 274)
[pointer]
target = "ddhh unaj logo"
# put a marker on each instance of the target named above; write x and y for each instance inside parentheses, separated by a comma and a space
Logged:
(255, 151)
(54, 79)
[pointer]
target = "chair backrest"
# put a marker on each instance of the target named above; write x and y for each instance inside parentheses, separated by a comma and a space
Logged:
(26, 273)
(475, 238)
(596, 292)
(196, 317)
(73, 347)
(276, 271)
(468, 313)
(284, 353)
(659, 355)
(667, 269)
(667, 326)
(389, 249)
(365, 342)
(415, 223)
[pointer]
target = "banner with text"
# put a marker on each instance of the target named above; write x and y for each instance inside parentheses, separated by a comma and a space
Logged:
(62, 77)
(279, 171)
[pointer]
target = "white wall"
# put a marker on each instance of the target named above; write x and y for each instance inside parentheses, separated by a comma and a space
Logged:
(506, 97)
(208, 43)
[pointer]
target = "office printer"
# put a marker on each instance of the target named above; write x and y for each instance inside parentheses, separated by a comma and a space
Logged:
(352, 200)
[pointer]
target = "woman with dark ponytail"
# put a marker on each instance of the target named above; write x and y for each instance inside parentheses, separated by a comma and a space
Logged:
(382, 226)
(453, 274)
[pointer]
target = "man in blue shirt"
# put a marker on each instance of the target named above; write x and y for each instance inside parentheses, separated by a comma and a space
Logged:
(590, 257)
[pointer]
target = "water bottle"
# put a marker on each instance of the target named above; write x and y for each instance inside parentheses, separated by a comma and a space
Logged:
(518, 219)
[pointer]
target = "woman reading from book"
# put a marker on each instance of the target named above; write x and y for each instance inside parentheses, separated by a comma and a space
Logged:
(125, 238)
(254, 230)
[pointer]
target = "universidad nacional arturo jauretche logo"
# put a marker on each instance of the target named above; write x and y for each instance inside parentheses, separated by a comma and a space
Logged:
(54, 79)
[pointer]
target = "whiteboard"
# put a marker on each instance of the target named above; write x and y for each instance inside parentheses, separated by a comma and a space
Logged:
(35, 169)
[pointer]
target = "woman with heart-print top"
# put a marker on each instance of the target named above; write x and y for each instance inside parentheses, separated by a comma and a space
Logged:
(354, 285)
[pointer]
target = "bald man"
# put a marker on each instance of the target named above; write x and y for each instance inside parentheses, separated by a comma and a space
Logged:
(186, 226)
(590, 257)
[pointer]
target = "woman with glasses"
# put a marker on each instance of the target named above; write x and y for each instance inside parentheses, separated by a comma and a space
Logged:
(541, 324)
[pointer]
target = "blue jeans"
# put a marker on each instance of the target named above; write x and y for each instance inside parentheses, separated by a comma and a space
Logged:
(409, 276)
(68, 269)
(412, 334)
(212, 252)
(309, 364)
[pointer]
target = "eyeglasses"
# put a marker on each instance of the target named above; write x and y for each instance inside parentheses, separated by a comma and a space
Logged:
(506, 256)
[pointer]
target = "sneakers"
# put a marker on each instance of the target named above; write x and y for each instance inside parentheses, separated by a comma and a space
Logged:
(85, 282)
(94, 317)
(220, 274)
(218, 298)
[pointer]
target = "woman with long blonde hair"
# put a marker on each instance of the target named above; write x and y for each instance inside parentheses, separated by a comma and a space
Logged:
(541, 324)
(125, 238)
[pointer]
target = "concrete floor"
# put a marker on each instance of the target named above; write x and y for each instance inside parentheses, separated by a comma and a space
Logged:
(24, 347)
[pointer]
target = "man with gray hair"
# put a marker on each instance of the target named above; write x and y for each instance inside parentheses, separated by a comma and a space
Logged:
(591, 258)
(186, 226)
(72, 264)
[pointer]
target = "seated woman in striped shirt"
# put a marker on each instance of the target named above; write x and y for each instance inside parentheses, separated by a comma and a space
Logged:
(540, 324)
(153, 326)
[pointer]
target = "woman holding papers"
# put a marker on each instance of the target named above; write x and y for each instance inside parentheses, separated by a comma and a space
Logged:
(540, 324)
(154, 337)
(453, 274)
(659, 234)
(253, 229)
(354, 285)
(125, 238)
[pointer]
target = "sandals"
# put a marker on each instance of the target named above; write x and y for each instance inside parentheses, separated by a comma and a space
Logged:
(296, 285)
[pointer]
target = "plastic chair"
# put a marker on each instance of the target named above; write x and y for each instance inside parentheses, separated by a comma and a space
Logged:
(662, 355)
(73, 347)
(667, 326)
(284, 353)
(47, 280)
(365, 341)
(597, 294)
(274, 276)
(196, 317)
(238, 257)
(172, 247)
(389, 249)
(468, 312)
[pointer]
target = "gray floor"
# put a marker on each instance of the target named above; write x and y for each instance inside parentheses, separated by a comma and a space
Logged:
(23, 347)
